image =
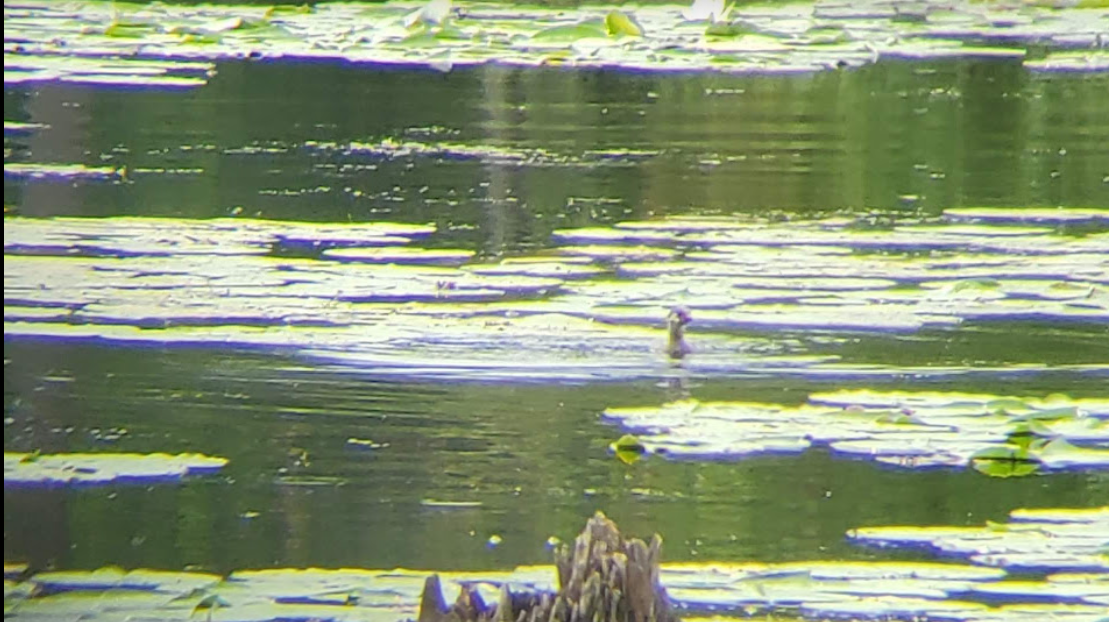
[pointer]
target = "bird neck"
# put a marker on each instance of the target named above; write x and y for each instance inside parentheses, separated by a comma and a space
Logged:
(677, 338)
(677, 331)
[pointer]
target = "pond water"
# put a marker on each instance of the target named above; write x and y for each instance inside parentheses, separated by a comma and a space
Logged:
(346, 449)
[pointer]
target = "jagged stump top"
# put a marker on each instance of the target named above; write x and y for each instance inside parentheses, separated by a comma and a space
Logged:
(603, 578)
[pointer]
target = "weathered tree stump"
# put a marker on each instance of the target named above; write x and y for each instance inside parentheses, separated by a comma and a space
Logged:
(603, 578)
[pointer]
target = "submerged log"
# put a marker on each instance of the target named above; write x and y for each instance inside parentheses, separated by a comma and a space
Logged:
(602, 578)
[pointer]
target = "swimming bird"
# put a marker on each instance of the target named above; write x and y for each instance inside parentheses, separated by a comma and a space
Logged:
(676, 346)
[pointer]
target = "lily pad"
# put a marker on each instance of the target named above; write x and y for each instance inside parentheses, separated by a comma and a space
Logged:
(620, 24)
(778, 289)
(770, 39)
(867, 590)
(572, 32)
(114, 578)
(33, 470)
(896, 428)
(1027, 544)
(1028, 214)
(560, 269)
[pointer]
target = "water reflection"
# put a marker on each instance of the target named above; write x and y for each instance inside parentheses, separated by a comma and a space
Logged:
(890, 137)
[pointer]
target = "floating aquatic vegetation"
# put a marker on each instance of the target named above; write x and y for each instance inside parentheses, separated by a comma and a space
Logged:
(1029, 214)
(553, 267)
(115, 578)
(319, 237)
(591, 306)
(401, 255)
(903, 429)
(130, 236)
(272, 284)
(618, 253)
(64, 67)
(621, 24)
(32, 469)
(160, 45)
(1071, 60)
(1065, 540)
(1064, 543)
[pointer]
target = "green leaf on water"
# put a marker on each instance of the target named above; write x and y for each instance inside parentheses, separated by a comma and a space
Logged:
(825, 35)
(226, 25)
(31, 457)
(423, 35)
(996, 527)
(1059, 453)
(1005, 461)
(211, 601)
(629, 442)
(103, 468)
(1007, 405)
(628, 449)
(899, 418)
(1025, 435)
(129, 29)
(582, 30)
(303, 9)
(199, 39)
(724, 29)
(975, 284)
(420, 38)
(618, 23)
(1049, 414)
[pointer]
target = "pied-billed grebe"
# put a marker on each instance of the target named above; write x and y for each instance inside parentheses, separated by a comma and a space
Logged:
(676, 346)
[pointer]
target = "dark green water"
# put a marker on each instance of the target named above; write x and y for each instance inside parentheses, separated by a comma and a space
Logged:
(271, 141)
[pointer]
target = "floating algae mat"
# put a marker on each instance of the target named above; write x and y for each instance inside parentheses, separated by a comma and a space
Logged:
(168, 46)
(984, 590)
(998, 436)
(32, 469)
(767, 298)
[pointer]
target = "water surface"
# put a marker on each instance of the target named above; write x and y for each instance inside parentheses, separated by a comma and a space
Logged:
(498, 159)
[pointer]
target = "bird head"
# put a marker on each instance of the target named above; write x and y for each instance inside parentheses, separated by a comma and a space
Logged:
(679, 316)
